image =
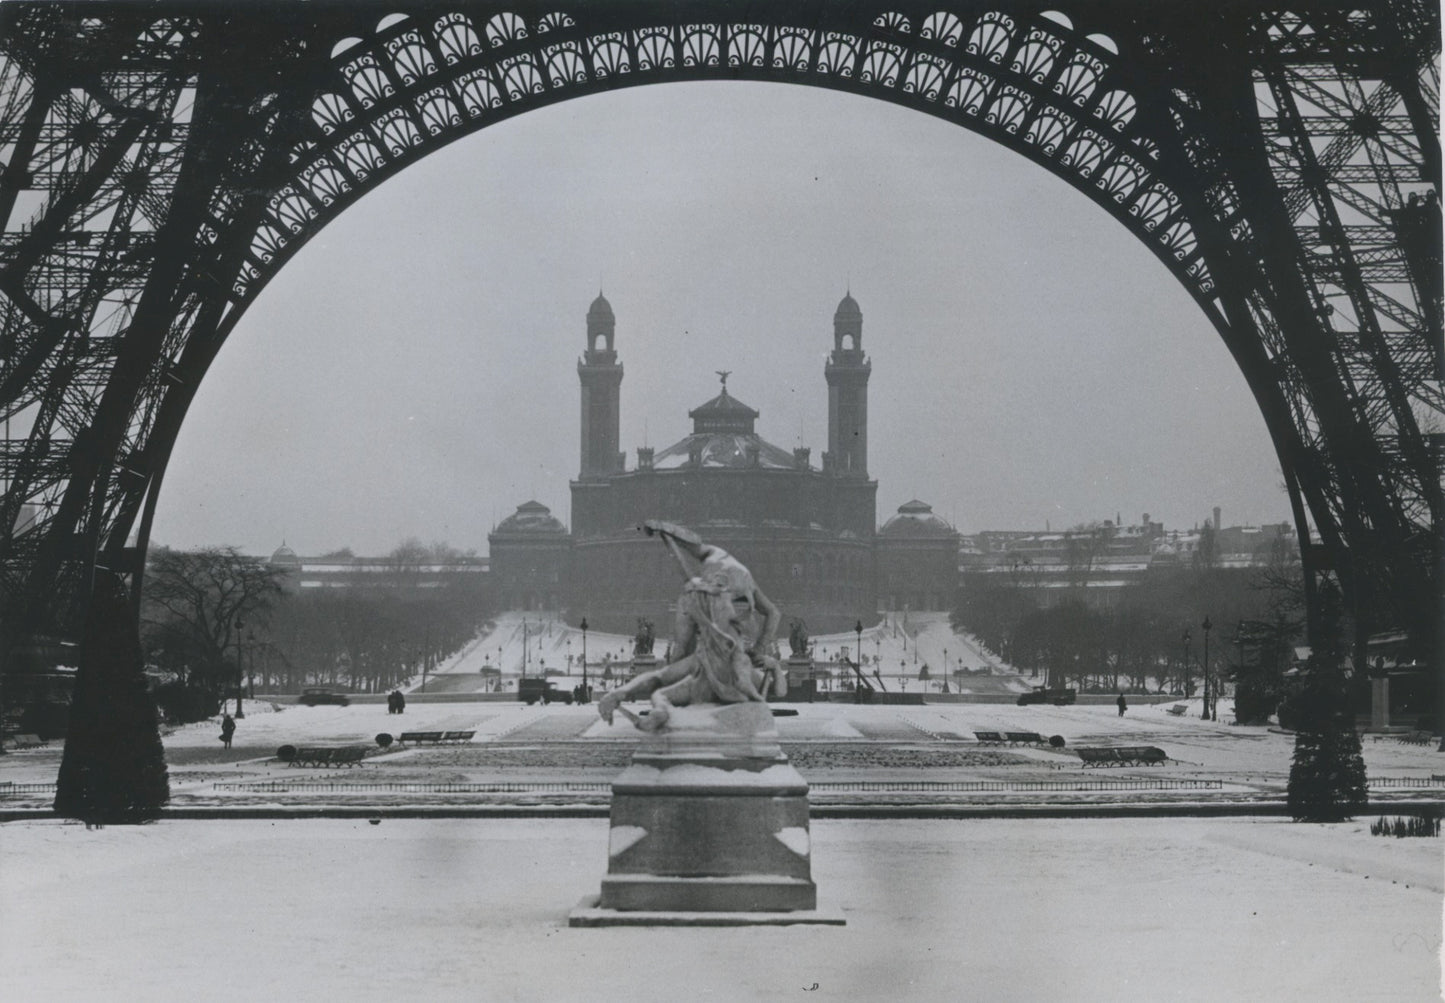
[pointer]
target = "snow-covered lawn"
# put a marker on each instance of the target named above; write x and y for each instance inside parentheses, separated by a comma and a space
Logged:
(451, 909)
(937, 738)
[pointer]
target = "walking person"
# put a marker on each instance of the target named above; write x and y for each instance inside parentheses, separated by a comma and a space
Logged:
(228, 728)
(1123, 704)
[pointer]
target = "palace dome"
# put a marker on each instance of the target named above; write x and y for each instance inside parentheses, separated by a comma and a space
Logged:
(534, 519)
(285, 557)
(848, 307)
(915, 520)
(723, 436)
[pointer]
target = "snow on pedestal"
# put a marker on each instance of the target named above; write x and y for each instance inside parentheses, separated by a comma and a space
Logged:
(709, 826)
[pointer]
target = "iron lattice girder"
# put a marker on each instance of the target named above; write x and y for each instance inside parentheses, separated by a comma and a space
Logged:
(261, 122)
(1372, 157)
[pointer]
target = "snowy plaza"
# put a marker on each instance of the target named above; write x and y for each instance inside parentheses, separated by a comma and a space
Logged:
(475, 909)
(449, 870)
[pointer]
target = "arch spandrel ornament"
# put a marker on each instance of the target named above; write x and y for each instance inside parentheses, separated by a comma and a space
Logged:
(1277, 161)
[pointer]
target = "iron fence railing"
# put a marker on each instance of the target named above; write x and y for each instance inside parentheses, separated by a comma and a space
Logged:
(845, 787)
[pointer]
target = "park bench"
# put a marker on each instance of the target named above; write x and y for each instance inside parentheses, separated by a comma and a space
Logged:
(1177, 710)
(457, 736)
(989, 738)
(420, 736)
(1025, 738)
(1141, 755)
(28, 742)
(1122, 755)
(312, 755)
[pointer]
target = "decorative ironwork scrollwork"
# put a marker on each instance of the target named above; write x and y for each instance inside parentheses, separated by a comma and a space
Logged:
(746, 43)
(410, 57)
(456, 38)
(969, 91)
(654, 49)
(792, 48)
(1035, 58)
(437, 111)
(503, 29)
(991, 37)
(701, 45)
(367, 79)
(882, 64)
(1079, 78)
(893, 21)
(926, 76)
(944, 27)
(838, 54)
(609, 55)
(1009, 109)
(478, 92)
(521, 77)
(564, 64)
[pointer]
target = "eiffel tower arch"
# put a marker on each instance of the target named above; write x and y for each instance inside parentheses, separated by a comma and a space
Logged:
(161, 161)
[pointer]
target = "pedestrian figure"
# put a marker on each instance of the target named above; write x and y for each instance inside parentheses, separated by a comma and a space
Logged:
(228, 728)
(1123, 705)
(400, 702)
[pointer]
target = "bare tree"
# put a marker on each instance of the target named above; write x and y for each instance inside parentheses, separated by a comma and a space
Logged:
(193, 604)
(1083, 544)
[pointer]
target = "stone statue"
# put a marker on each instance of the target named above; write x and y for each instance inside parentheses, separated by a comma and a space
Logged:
(725, 626)
(798, 638)
(643, 640)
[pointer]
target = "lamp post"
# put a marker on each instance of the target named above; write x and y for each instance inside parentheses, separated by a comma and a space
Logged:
(240, 630)
(1238, 640)
(858, 648)
(584, 659)
(525, 642)
(1186, 663)
(251, 664)
(1207, 715)
(943, 687)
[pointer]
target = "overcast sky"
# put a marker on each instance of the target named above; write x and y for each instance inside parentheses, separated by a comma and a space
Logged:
(412, 372)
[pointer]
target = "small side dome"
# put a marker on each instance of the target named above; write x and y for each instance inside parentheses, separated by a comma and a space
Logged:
(285, 557)
(916, 519)
(534, 518)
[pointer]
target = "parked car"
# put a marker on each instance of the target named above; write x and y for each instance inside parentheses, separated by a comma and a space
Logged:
(318, 694)
(1042, 694)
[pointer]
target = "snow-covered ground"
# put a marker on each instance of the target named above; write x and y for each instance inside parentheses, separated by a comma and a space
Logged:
(900, 645)
(476, 909)
(830, 742)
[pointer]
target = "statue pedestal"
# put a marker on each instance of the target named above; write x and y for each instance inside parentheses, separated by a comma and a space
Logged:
(709, 827)
(802, 684)
(641, 664)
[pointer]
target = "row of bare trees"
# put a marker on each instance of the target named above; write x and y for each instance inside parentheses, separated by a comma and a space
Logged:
(1151, 637)
(214, 618)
